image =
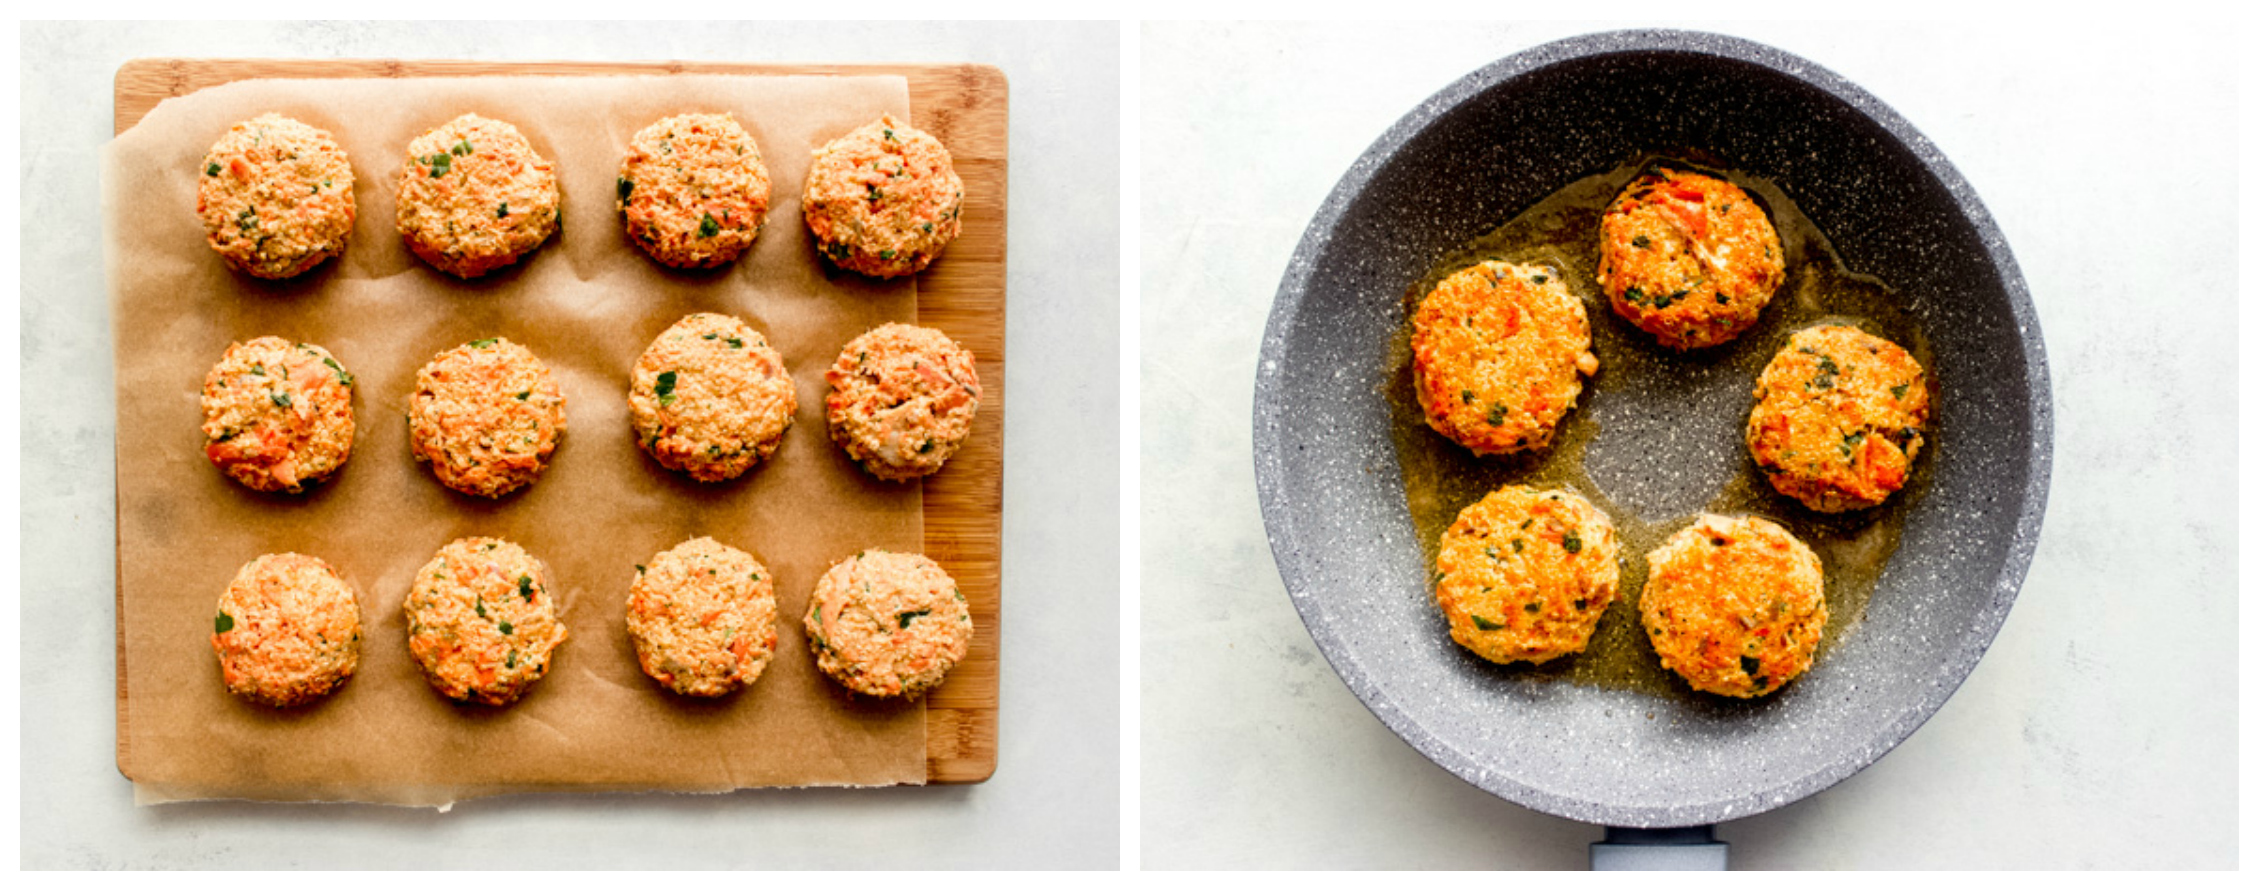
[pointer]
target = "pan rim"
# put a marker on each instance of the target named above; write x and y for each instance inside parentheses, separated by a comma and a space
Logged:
(1287, 538)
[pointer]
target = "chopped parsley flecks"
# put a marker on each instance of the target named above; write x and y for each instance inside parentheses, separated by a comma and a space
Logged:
(707, 228)
(1826, 378)
(223, 623)
(665, 388)
(1487, 624)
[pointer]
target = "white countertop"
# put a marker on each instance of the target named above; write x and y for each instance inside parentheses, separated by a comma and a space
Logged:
(1054, 801)
(2099, 730)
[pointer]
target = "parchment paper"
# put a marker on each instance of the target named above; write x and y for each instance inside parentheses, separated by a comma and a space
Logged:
(588, 303)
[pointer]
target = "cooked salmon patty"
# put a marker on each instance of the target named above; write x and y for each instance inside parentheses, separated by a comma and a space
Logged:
(1689, 258)
(1839, 418)
(1525, 575)
(1499, 353)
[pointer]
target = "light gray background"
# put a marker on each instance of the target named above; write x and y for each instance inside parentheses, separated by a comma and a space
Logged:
(1054, 801)
(2099, 731)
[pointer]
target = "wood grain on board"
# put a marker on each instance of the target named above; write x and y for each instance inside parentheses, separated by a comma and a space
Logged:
(967, 108)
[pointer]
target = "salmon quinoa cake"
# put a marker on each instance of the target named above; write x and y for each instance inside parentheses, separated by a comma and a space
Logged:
(703, 617)
(1839, 418)
(902, 400)
(887, 624)
(485, 416)
(278, 415)
(693, 190)
(1499, 354)
(475, 196)
(710, 398)
(288, 631)
(883, 200)
(276, 196)
(1524, 575)
(1734, 605)
(1689, 258)
(482, 622)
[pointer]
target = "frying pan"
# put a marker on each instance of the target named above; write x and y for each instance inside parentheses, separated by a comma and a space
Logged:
(1470, 158)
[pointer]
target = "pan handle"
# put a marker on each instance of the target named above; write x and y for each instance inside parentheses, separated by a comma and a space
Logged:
(1687, 848)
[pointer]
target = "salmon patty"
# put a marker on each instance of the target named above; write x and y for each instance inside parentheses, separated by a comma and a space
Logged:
(902, 400)
(703, 616)
(1689, 258)
(288, 631)
(1525, 575)
(1839, 418)
(486, 416)
(1499, 353)
(278, 415)
(482, 623)
(693, 190)
(475, 196)
(887, 624)
(883, 200)
(710, 398)
(1734, 605)
(276, 197)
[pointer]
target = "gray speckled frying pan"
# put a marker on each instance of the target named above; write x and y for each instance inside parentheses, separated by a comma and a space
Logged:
(1471, 157)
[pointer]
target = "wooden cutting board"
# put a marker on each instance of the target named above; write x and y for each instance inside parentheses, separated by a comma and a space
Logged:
(967, 108)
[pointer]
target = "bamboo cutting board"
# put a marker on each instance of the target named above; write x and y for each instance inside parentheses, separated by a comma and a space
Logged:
(966, 107)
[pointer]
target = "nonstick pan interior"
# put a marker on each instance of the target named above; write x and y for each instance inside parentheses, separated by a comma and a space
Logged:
(1470, 158)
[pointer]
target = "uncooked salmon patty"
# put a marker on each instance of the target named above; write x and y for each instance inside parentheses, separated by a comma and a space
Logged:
(486, 416)
(1525, 575)
(883, 200)
(288, 631)
(475, 196)
(276, 196)
(703, 616)
(482, 623)
(693, 190)
(902, 400)
(711, 398)
(1839, 418)
(278, 415)
(1689, 258)
(1499, 354)
(1734, 605)
(887, 624)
